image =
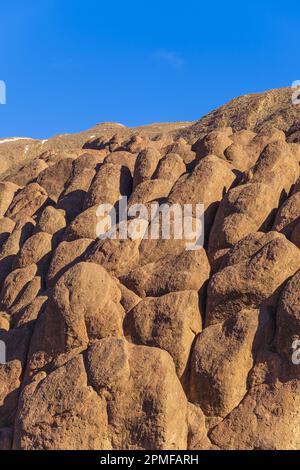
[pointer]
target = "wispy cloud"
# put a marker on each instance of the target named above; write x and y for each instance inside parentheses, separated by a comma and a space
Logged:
(63, 63)
(170, 57)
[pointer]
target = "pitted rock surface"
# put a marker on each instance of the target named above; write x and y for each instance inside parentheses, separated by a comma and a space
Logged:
(142, 344)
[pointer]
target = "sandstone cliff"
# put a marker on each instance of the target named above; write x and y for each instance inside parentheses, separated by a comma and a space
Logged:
(141, 344)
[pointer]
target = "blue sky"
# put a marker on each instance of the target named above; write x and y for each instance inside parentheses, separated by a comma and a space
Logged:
(71, 64)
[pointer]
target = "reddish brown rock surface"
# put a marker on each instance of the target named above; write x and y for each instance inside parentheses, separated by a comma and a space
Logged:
(142, 344)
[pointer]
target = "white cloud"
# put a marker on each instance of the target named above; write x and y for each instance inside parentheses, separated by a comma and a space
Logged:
(170, 57)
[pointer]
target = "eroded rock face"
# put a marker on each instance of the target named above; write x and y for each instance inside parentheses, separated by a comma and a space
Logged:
(54, 178)
(217, 385)
(187, 271)
(7, 193)
(145, 166)
(65, 256)
(254, 282)
(27, 202)
(147, 410)
(84, 306)
(288, 313)
(50, 417)
(110, 183)
(142, 343)
(11, 373)
(36, 250)
(288, 215)
(169, 322)
(206, 184)
(266, 419)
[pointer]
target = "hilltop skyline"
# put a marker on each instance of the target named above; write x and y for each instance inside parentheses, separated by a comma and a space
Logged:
(69, 65)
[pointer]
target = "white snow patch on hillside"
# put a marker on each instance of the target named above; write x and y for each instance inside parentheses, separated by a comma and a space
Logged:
(13, 139)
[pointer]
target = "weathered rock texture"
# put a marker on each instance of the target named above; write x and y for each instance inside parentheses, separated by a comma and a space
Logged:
(141, 344)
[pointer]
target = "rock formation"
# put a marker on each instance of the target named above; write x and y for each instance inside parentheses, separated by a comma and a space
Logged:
(142, 344)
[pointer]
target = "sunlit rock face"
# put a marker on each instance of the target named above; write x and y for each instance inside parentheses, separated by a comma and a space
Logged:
(111, 344)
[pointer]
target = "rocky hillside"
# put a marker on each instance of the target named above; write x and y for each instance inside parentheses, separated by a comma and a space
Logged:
(142, 344)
